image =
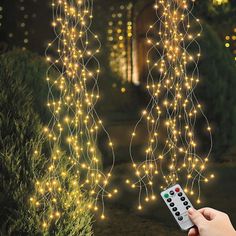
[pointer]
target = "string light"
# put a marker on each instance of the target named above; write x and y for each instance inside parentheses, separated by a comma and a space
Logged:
(74, 170)
(119, 36)
(23, 23)
(171, 153)
(18, 31)
(230, 42)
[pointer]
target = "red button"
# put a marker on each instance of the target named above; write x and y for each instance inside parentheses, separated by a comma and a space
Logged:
(177, 190)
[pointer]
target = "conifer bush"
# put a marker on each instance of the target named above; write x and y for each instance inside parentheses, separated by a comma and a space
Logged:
(216, 90)
(22, 111)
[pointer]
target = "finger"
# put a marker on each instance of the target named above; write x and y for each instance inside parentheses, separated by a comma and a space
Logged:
(193, 232)
(197, 218)
(209, 213)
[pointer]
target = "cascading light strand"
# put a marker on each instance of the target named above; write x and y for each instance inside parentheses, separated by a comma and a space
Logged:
(74, 169)
(171, 117)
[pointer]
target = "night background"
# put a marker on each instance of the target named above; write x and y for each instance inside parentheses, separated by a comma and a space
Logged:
(26, 30)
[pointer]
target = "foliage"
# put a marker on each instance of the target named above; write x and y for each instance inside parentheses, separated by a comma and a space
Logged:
(21, 98)
(217, 89)
(31, 70)
(71, 205)
(19, 127)
(221, 17)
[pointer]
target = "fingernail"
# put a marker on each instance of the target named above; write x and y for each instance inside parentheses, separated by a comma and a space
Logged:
(191, 211)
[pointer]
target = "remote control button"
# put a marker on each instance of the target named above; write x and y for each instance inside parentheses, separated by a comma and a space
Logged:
(172, 204)
(172, 192)
(180, 218)
(185, 203)
(174, 209)
(177, 213)
(187, 207)
(177, 190)
(169, 200)
(180, 194)
(182, 198)
(166, 195)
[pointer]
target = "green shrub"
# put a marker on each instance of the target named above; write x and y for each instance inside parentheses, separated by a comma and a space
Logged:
(22, 96)
(19, 129)
(30, 70)
(217, 89)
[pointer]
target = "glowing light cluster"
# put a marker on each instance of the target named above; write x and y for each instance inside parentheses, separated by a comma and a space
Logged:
(24, 17)
(230, 42)
(220, 2)
(18, 31)
(171, 153)
(119, 35)
(23, 20)
(74, 169)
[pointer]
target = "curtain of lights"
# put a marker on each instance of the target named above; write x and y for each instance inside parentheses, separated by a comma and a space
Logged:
(74, 169)
(171, 153)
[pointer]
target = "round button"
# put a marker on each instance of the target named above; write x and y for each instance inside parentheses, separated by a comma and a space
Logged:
(187, 207)
(185, 203)
(177, 190)
(172, 192)
(182, 198)
(180, 194)
(172, 204)
(177, 213)
(169, 200)
(166, 195)
(180, 218)
(175, 209)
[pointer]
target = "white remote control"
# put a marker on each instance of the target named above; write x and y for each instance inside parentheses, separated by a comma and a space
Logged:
(178, 204)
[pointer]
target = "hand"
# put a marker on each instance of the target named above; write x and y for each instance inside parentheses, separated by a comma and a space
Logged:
(210, 222)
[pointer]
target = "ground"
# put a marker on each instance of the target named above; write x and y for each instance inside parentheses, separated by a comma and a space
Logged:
(123, 222)
(124, 219)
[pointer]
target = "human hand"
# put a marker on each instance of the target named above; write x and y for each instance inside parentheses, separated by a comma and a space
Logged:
(210, 222)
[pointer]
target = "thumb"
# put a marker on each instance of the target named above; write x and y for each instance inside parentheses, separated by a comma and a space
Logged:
(196, 217)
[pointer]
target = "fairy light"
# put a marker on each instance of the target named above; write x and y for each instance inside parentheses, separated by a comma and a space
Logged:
(23, 23)
(20, 33)
(119, 36)
(230, 42)
(171, 153)
(73, 171)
